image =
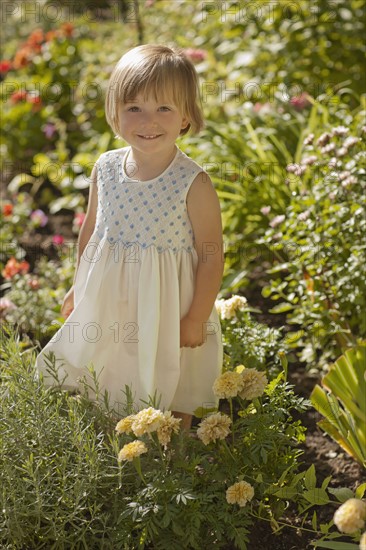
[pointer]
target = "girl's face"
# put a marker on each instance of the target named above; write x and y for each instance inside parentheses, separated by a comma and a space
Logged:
(149, 125)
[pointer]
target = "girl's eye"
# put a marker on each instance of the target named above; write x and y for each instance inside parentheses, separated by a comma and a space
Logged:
(165, 108)
(133, 109)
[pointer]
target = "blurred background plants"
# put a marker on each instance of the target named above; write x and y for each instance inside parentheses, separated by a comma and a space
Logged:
(283, 95)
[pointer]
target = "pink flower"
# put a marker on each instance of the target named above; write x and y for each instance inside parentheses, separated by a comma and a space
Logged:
(5, 306)
(301, 101)
(265, 210)
(79, 219)
(262, 107)
(58, 239)
(277, 220)
(34, 284)
(195, 55)
(39, 218)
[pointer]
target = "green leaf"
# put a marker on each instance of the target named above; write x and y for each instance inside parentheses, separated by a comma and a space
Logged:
(360, 491)
(310, 478)
(281, 308)
(336, 545)
(341, 493)
(200, 412)
(314, 521)
(317, 497)
(286, 492)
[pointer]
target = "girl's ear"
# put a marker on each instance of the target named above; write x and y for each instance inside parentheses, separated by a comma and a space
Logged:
(185, 123)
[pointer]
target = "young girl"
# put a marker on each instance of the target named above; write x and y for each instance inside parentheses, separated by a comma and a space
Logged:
(150, 251)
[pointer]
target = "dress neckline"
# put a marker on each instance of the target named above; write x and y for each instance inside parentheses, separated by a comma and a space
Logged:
(144, 182)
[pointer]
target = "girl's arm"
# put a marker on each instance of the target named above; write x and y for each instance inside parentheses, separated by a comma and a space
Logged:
(86, 232)
(204, 212)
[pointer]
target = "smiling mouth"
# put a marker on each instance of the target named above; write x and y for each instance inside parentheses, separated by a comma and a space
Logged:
(150, 137)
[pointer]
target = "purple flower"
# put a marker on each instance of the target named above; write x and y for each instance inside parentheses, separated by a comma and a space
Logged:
(328, 148)
(39, 218)
(340, 130)
(309, 139)
(324, 139)
(49, 129)
(309, 160)
(303, 216)
(350, 142)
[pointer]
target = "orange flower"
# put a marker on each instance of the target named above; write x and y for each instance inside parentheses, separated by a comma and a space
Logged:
(67, 28)
(22, 57)
(7, 209)
(50, 35)
(36, 38)
(13, 267)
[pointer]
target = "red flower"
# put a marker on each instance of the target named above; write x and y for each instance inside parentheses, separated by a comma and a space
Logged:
(7, 209)
(5, 66)
(21, 95)
(13, 267)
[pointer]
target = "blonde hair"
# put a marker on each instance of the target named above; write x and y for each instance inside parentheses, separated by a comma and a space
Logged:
(153, 69)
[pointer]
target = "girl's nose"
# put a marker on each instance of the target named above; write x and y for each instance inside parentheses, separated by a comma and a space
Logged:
(149, 118)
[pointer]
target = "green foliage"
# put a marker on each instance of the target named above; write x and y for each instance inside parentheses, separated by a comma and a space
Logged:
(61, 484)
(37, 298)
(304, 492)
(255, 345)
(343, 404)
(318, 239)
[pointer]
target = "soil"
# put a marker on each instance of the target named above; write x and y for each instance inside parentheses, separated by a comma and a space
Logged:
(318, 449)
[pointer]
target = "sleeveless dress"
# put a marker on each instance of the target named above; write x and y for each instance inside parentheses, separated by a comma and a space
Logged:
(134, 283)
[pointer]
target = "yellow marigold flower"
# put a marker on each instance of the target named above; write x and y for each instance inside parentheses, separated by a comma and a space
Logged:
(254, 383)
(228, 385)
(227, 308)
(363, 541)
(132, 450)
(146, 421)
(215, 426)
(124, 426)
(239, 493)
(350, 516)
(169, 425)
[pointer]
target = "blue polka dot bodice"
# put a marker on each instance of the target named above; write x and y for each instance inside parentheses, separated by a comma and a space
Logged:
(152, 212)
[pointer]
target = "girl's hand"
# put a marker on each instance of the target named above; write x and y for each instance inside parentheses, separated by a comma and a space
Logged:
(68, 303)
(192, 333)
